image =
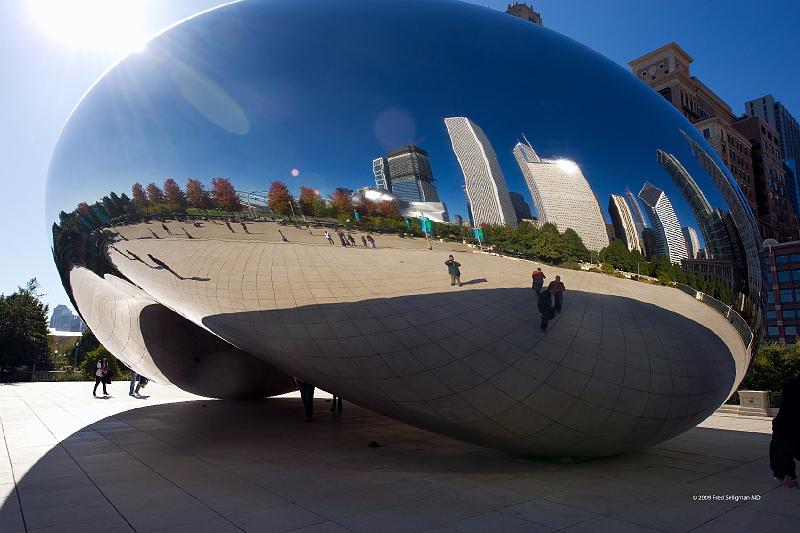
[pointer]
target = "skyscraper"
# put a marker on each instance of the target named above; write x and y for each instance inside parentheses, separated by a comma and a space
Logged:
(521, 207)
(776, 115)
(624, 225)
(65, 320)
(712, 228)
(562, 196)
(410, 174)
(525, 12)
(485, 184)
(636, 211)
(669, 238)
(380, 169)
(692, 242)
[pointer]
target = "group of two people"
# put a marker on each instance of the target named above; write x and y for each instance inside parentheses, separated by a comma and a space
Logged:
(550, 299)
(103, 377)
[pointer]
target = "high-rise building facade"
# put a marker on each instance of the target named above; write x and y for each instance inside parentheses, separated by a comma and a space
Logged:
(624, 226)
(781, 120)
(669, 237)
(525, 12)
(521, 207)
(380, 169)
(485, 184)
(692, 242)
(667, 71)
(65, 320)
(781, 270)
(776, 217)
(562, 196)
(410, 174)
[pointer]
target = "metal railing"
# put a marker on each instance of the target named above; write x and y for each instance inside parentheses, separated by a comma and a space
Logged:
(734, 318)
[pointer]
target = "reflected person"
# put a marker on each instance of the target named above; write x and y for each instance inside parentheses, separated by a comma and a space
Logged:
(557, 289)
(546, 304)
(454, 271)
(537, 280)
(307, 397)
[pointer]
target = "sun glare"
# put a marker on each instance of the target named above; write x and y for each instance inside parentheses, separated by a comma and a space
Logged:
(111, 26)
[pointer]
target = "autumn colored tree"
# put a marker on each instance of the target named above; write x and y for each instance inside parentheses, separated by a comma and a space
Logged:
(138, 197)
(154, 194)
(308, 200)
(197, 195)
(173, 194)
(388, 209)
(342, 201)
(280, 199)
(224, 195)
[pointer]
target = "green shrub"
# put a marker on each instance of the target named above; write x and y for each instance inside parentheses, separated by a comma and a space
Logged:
(89, 365)
(607, 268)
(772, 366)
(571, 265)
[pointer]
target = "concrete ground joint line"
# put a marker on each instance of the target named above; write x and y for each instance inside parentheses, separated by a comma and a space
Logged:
(13, 474)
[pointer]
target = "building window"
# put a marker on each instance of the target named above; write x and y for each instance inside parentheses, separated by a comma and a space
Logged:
(781, 259)
(791, 313)
(771, 315)
(790, 330)
(787, 296)
(772, 331)
(771, 297)
(784, 276)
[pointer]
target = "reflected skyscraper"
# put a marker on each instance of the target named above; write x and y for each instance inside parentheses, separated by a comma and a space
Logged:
(521, 207)
(380, 169)
(669, 238)
(624, 225)
(692, 242)
(712, 228)
(562, 196)
(486, 189)
(410, 174)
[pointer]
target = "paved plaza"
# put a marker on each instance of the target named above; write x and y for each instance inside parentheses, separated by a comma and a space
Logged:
(180, 463)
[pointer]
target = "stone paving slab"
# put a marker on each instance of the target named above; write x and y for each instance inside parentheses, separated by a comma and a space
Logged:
(175, 462)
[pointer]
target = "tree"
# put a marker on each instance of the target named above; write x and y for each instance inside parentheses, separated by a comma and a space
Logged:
(548, 244)
(154, 194)
(173, 195)
(79, 351)
(23, 329)
(138, 196)
(308, 200)
(89, 364)
(197, 195)
(772, 366)
(224, 195)
(342, 202)
(279, 198)
(388, 209)
(573, 247)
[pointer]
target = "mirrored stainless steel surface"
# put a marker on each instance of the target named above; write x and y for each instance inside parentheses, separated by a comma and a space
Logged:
(432, 105)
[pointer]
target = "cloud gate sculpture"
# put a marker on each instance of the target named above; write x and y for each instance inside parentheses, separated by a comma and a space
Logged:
(191, 283)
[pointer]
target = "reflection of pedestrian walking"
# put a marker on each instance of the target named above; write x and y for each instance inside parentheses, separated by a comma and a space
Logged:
(100, 375)
(557, 288)
(229, 226)
(351, 240)
(341, 238)
(545, 304)
(453, 270)
(142, 382)
(784, 447)
(166, 228)
(538, 280)
(364, 241)
(334, 401)
(329, 238)
(244, 227)
(307, 396)
(371, 240)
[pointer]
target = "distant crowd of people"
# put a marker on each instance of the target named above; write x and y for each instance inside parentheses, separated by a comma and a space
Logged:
(348, 240)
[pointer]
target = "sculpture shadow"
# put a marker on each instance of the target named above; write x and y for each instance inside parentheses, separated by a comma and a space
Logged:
(255, 451)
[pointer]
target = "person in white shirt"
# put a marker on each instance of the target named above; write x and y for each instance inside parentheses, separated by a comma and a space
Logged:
(100, 375)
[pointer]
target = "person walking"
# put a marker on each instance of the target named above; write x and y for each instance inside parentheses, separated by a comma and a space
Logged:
(557, 289)
(143, 381)
(537, 280)
(334, 400)
(134, 375)
(364, 242)
(341, 238)
(371, 240)
(351, 240)
(453, 270)
(307, 397)
(545, 304)
(100, 375)
(329, 238)
(784, 447)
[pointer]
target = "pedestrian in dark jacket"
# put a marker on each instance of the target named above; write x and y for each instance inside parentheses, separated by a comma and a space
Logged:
(784, 447)
(453, 270)
(351, 240)
(557, 289)
(364, 241)
(341, 238)
(545, 303)
(307, 397)
(537, 280)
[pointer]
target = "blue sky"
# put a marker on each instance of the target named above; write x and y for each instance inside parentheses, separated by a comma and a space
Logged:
(48, 79)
